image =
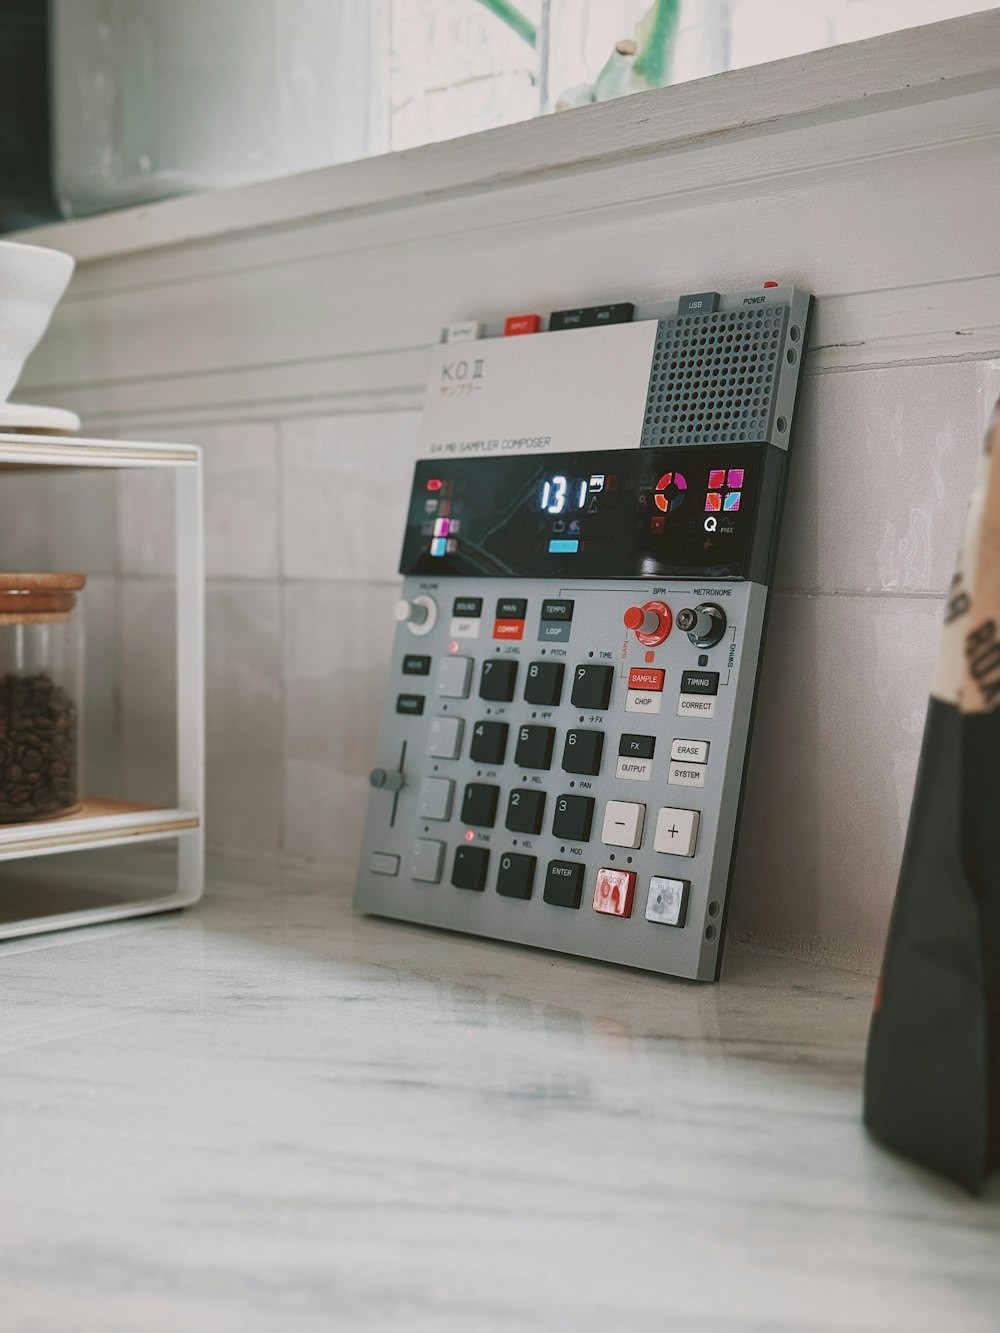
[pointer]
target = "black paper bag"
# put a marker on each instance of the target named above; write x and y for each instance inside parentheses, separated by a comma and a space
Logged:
(932, 1079)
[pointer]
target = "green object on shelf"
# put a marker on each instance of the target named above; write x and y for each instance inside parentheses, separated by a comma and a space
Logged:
(636, 64)
(512, 16)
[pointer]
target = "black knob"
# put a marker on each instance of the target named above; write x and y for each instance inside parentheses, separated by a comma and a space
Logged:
(704, 626)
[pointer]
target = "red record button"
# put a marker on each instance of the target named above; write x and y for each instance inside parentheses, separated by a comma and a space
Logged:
(521, 324)
(508, 629)
(646, 678)
(613, 892)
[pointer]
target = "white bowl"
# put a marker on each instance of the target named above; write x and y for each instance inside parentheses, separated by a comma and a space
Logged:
(32, 279)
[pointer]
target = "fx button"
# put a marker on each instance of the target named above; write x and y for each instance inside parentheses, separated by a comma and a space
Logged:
(637, 747)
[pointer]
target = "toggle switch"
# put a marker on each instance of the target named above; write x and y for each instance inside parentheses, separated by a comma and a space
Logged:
(651, 622)
(704, 625)
(417, 615)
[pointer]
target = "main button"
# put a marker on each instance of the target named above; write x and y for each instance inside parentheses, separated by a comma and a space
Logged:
(525, 810)
(534, 747)
(479, 804)
(573, 818)
(512, 608)
(582, 752)
(489, 742)
(496, 684)
(623, 822)
(592, 686)
(544, 684)
(516, 876)
(454, 675)
(564, 883)
(469, 868)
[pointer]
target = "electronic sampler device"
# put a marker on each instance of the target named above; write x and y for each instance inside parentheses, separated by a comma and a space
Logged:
(562, 754)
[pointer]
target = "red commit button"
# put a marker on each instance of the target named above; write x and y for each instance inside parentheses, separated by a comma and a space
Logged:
(645, 678)
(508, 629)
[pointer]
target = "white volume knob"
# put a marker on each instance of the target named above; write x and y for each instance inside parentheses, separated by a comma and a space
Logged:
(417, 615)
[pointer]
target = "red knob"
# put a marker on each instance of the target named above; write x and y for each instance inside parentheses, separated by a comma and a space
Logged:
(651, 623)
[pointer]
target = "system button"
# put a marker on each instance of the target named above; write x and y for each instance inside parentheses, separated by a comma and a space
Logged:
(637, 747)
(687, 775)
(613, 892)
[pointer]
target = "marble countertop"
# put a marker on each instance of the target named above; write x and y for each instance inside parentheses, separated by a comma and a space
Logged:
(267, 1114)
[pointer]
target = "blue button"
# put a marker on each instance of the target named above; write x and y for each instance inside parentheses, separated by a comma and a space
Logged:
(563, 546)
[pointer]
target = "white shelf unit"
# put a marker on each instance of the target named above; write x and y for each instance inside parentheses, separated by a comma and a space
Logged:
(103, 822)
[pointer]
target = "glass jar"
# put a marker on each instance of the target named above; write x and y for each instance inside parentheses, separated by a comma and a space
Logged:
(41, 692)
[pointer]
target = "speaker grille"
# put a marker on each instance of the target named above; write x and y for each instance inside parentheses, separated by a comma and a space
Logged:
(714, 377)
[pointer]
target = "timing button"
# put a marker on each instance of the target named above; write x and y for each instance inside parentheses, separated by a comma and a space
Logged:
(445, 738)
(699, 682)
(415, 664)
(623, 821)
(534, 747)
(489, 742)
(564, 883)
(544, 684)
(516, 876)
(479, 804)
(426, 859)
(582, 752)
(469, 868)
(454, 675)
(592, 686)
(525, 810)
(573, 818)
(498, 679)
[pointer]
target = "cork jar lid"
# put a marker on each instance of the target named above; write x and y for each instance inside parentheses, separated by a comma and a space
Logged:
(38, 599)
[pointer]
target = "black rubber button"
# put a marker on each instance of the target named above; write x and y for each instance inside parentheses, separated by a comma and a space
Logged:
(573, 818)
(564, 883)
(498, 680)
(592, 686)
(525, 810)
(469, 868)
(479, 804)
(489, 742)
(534, 747)
(516, 877)
(637, 747)
(544, 684)
(582, 751)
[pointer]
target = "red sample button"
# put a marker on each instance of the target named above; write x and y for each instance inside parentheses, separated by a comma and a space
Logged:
(508, 629)
(645, 678)
(521, 324)
(613, 892)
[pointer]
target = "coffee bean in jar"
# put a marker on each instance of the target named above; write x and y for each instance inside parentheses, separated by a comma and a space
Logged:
(41, 687)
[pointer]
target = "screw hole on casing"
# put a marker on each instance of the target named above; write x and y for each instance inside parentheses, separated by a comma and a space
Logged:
(709, 932)
(782, 424)
(713, 909)
(791, 356)
(794, 333)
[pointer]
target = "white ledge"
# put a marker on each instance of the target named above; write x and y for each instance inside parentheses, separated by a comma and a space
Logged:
(907, 68)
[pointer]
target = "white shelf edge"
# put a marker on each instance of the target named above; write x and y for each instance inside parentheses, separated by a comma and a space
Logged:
(82, 451)
(47, 925)
(50, 837)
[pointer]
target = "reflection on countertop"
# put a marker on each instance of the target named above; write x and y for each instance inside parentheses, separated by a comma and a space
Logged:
(268, 1114)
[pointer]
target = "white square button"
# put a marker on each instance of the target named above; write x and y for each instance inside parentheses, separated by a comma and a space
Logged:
(436, 796)
(676, 831)
(445, 737)
(454, 675)
(623, 822)
(667, 901)
(426, 860)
